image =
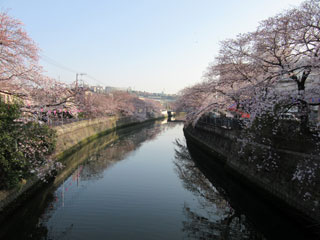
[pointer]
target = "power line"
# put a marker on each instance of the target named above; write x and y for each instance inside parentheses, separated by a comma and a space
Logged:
(57, 64)
(89, 76)
(62, 66)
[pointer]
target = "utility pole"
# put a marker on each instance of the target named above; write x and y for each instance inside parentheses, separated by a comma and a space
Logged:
(76, 80)
(78, 74)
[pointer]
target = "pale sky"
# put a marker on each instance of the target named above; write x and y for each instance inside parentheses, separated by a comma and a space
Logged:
(151, 45)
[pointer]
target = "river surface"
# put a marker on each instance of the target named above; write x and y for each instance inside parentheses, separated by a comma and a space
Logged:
(144, 185)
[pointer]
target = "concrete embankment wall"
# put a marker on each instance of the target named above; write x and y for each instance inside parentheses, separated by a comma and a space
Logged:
(74, 135)
(70, 138)
(71, 134)
(274, 180)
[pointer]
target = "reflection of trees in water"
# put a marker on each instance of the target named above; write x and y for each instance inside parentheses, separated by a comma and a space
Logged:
(97, 160)
(219, 220)
(24, 224)
(230, 226)
(128, 142)
(62, 235)
(99, 155)
(194, 181)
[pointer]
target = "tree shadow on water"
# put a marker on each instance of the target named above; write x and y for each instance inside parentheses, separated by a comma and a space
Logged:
(216, 219)
(229, 209)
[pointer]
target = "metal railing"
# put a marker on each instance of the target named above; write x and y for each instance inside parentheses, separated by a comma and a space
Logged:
(221, 122)
(60, 122)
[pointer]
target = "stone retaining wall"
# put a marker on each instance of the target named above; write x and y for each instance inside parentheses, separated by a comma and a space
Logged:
(276, 181)
(70, 135)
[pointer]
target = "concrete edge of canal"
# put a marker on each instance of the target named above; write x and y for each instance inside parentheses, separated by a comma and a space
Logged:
(70, 138)
(269, 192)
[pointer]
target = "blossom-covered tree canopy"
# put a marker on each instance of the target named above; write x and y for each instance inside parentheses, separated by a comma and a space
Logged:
(277, 64)
(21, 76)
(18, 56)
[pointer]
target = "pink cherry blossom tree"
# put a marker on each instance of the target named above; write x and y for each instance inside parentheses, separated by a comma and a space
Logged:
(19, 68)
(21, 76)
(266, 73)
(251, 71)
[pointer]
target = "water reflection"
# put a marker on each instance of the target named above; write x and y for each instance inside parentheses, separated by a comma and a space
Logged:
(128, 141)
(84, 165)
(135, 184)
(109, 149)
(218, 220)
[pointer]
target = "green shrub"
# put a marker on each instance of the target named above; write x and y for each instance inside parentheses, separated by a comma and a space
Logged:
(24, 147)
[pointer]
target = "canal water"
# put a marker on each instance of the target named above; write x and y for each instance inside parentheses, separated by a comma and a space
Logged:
(143, 185)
